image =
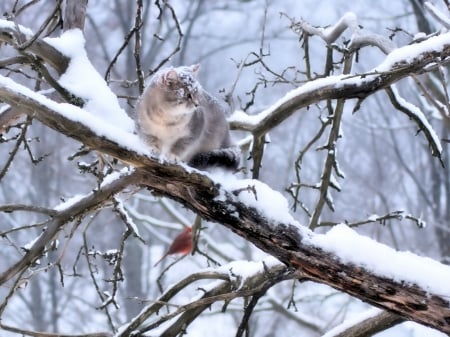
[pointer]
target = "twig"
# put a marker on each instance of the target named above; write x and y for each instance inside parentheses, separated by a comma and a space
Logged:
(138, 24)
(25, 332)
(422, 123)
(29, 208)
(179, 30)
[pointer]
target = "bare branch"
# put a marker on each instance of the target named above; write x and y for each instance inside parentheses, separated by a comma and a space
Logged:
(24, 332)
(28, 208)
(75, 14)
(367, 327)
(438, 15)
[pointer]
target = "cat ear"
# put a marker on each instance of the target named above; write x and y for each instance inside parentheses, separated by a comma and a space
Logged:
(170, 77)
(195, 68)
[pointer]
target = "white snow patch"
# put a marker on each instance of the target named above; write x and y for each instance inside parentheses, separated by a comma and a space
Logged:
(30, 244)
(106, 181)
(128, 218)
(350, 247)
(410, 52)
(113, 176)
(14, 26)
(83, 80)
(419, 114)
(240, 271)
(241, 117)
(373, 217)
(113, 132)
(254, 193)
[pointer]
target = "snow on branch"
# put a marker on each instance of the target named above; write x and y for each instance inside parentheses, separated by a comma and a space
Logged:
(347, 21)
(375, 273)
(400, 63)
(237, 279)
(245, 208)
(82, 79)
(65, 213)
(414, 113)
(17, 35)
(365, 324)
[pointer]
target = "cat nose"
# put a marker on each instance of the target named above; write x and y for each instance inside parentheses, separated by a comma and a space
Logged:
(195, 101)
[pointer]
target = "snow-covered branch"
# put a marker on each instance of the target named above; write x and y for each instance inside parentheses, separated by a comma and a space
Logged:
(260, 215)
(65, 213)
(16, 36)
(347, 21)
(400, 63)
(237, 279)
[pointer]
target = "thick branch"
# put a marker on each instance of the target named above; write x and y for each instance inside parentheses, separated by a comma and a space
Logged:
(290, 243)
(423, 57)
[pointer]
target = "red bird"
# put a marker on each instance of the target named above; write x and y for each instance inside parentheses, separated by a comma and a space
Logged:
(182, 244)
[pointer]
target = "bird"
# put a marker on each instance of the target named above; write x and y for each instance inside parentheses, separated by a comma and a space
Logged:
(182, 244)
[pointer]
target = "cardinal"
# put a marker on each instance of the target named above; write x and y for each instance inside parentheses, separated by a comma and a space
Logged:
(182, 244)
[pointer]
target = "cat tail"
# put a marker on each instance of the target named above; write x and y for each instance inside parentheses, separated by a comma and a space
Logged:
(228, 158)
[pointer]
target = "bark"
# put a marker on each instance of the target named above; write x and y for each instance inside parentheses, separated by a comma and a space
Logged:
(371, 326)
(75, 14)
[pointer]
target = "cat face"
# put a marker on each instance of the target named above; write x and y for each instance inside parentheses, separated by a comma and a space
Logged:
(180, 86)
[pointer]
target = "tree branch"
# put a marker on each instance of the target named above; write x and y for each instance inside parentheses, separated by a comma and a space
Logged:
(281, 237)
(86, 204)
(422, 59)
(366, 327)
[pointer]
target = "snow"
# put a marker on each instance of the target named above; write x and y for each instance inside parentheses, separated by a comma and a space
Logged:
(113, 176)
(83, 80)
(254, 193)
(350, 247)
(30, 244)
(14, 26)
(419, 114)
(373, 217)
(128, 218)
(240, 271)
(241, 117)
(114, 132)
(394, 59)
(187, 74)
(408, 53)
(106, 181)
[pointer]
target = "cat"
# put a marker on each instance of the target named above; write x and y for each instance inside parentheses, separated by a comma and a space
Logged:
(180, 120)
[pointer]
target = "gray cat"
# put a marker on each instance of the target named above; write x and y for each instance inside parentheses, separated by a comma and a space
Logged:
(180, 120)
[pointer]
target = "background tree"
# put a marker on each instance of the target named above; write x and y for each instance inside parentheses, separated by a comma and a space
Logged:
(85, 211)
